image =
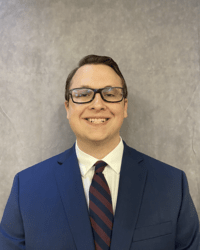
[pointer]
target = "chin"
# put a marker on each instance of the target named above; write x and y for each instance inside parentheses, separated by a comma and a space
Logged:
(96, 138)
(101, 139)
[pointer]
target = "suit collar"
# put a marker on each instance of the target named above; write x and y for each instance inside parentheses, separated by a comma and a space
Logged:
(127, 150)
(65, 155)
(131, 186)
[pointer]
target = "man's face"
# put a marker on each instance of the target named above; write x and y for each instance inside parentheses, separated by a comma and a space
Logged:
(96, 76)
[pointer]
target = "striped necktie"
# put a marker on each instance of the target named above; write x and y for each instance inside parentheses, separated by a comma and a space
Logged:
(100, 209)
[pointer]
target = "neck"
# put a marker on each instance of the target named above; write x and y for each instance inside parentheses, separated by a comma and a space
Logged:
(98, 149)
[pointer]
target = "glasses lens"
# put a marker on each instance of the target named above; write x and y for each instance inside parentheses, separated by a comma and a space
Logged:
(82, 95)
(113, 94)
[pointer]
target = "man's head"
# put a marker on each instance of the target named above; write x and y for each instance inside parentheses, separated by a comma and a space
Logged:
(99, 118)
(94, 59)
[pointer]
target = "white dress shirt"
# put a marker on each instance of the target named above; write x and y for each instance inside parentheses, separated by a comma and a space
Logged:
(111, 171)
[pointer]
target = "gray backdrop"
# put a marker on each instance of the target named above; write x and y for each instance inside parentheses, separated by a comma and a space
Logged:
(155, 43)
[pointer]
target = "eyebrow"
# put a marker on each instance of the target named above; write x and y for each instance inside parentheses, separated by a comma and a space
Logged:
(89, 87)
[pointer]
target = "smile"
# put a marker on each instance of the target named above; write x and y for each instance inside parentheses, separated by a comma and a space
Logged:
(97, 120)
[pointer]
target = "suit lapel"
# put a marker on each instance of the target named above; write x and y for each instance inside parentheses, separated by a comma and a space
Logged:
(131, 185)
(70, 185)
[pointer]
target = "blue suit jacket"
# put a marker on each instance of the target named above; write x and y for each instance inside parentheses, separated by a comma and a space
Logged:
(47, 209)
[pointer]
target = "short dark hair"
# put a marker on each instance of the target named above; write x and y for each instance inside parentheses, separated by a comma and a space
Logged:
(95, 59)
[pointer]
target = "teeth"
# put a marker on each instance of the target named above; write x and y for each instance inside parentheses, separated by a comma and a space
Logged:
(97, 121)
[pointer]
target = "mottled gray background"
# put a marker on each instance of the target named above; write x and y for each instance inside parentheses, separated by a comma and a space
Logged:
(157, 46)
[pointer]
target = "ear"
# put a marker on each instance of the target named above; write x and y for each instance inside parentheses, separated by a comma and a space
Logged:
(125, 107)
(67, 108)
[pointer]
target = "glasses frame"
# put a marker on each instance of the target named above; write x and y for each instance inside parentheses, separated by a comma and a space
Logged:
(95, 92)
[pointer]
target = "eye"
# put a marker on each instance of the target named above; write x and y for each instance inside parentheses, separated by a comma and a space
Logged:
(81, 94)
(109, 92)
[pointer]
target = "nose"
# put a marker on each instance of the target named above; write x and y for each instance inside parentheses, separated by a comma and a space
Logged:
(98, 102)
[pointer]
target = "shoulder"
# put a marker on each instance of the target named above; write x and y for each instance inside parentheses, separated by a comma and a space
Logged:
(160, 176)
(153, 166)
(46, 167)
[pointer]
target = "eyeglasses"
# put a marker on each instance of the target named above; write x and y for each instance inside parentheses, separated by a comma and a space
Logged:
(86, 95)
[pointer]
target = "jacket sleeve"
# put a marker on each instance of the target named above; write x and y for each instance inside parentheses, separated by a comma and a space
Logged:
(187, 234)
(11, 228)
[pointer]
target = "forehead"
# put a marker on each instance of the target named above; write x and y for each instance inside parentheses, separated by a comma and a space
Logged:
(95, 76)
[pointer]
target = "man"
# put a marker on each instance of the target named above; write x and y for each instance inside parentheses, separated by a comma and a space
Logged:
(99, 194)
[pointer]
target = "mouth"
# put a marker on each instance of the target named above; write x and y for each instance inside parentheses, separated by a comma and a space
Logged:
(97, 120)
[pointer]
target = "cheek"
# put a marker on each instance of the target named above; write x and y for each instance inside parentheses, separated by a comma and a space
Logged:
(74, 114)
(121, 115)
(120, 112)
(71, 112)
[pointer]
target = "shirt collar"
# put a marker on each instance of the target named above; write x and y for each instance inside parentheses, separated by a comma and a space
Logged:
(113, 159)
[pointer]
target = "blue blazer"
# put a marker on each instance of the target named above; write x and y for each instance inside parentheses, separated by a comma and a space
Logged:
(47, 209)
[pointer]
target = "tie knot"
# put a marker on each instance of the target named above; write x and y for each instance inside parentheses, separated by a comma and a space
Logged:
(99, 166)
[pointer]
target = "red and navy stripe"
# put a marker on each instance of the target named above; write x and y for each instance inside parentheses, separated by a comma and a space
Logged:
(100, 209)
